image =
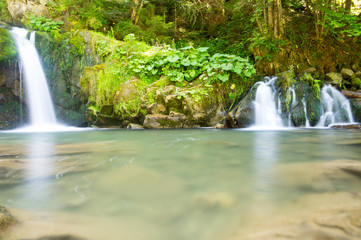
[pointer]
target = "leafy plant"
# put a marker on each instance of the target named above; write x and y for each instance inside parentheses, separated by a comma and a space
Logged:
(44, 24)
(189, 63)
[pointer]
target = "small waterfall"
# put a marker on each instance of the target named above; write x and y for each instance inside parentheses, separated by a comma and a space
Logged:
(305, 110)
(336, 108)
(266, 112)
(294, 99)
(39, 102)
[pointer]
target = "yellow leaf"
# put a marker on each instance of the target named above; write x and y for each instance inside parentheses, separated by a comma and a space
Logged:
(233, 86)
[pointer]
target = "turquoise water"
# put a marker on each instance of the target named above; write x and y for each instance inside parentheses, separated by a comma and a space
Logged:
(164, 184)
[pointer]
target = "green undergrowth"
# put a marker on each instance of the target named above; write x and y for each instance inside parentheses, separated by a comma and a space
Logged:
(122, 60)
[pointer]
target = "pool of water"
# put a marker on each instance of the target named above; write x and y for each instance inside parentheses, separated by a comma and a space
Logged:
(201, 184)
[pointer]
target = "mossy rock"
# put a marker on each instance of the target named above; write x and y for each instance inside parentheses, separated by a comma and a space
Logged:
(127, 91)
(356, 109)
(8, 50)
(6, 219)
(334, 78)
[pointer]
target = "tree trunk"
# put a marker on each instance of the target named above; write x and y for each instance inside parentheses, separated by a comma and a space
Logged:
(270, 15)
(348, 4)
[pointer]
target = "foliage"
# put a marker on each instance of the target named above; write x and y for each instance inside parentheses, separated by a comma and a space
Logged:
(4, 12)
(189, 63)
(44, 24)
(337, 22)
(315, 84)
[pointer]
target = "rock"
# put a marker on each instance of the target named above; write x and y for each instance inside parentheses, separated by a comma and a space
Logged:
(346, 126)
(298, 115)
(107, 110)
(355, 67)
(106, 121)
(358, 74)
(356, 109)
(173, 102)
(313, 104)
(6, 219)
(156, 108)
(351, 94)
(334, 78)
(60, 237)
(134, 126)
(19, 8)
(214, 201)
(355, 83)
(127, 91)
(243, 114)
(310, 70)
(173, 120)
(347, 73)
(154, 120)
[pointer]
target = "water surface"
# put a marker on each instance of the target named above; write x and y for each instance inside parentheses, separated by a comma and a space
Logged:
(166, 184)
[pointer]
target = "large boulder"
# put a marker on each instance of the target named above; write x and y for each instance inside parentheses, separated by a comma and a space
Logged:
(347, 73)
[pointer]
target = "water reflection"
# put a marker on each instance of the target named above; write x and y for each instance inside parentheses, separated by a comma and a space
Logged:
(39, 168)
(265, 157)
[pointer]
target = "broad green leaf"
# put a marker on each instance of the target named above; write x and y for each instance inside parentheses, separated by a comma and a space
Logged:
(173, 58)
(223, 77)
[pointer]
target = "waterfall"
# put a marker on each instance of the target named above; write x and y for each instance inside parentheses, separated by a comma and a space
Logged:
(336, 108)
(294, 99)
(305, 110)
(39, 102)
(266, 112)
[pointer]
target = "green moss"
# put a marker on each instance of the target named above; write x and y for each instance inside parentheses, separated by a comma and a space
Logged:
(4, 12)
(7, 46)
(78, 43)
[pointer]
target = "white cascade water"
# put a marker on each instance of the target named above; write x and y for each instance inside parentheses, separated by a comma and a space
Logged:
(266, 113)
(336, 108)
(42, 114)
(305, 110)
(294, 99)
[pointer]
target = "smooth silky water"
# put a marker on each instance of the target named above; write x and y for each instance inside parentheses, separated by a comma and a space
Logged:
(200, 184)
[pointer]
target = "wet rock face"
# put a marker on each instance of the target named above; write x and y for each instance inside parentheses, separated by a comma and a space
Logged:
(243, 114)
(293, 110)
(62, 69)
(12, 110)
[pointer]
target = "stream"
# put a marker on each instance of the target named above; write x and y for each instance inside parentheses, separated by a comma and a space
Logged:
(201, 184)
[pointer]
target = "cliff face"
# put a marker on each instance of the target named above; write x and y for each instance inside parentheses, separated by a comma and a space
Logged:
(12, 109)
(19, 8)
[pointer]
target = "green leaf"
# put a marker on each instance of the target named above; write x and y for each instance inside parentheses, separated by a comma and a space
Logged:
(194, 62)
(186, 62)
(192, 73)
(173, 58)
(202, 49)
(223, 77)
